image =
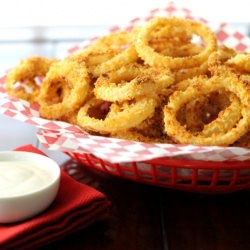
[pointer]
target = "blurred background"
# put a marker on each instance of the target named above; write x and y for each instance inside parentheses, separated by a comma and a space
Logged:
(49, 27)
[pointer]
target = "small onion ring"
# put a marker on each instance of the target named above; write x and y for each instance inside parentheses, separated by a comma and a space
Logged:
(130, 82)
(120, 117)
(117, 50)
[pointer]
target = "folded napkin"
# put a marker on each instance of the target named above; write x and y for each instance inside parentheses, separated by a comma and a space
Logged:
(75, 207)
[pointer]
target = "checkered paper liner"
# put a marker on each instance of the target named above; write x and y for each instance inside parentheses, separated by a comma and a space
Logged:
(61, 136)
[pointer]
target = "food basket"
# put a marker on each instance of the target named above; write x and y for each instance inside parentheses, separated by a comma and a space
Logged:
(181, 167)
(186, 175)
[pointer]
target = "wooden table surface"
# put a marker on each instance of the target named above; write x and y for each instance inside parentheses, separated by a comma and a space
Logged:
(152, 218)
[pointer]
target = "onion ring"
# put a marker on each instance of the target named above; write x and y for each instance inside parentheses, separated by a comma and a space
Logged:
(178, 132)
(108, 53)
(132, 81)
(64, 89)
(120, 117)
(153, 58)
(25, 74)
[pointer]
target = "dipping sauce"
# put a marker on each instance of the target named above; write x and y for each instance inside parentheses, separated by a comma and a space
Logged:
(22, 177)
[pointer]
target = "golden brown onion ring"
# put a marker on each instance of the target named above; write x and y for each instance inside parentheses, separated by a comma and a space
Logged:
(108, 53)
(120, 116)
(178, 132)
(131, 82)
(153, 58)
(64, 89)
(25, 74)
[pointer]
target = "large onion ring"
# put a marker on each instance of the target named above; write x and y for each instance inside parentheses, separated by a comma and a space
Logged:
(178, 132)
(153, 58)
(64, 89)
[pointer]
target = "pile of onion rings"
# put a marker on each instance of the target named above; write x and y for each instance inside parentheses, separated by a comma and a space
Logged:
(165, 82)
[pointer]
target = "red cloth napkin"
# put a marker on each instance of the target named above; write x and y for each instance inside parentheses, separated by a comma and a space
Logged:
(75, 207)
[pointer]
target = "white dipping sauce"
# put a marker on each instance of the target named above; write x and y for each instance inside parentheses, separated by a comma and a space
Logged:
(22, 177)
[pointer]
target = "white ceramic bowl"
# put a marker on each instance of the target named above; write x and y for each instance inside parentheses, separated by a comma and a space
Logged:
(29, 183)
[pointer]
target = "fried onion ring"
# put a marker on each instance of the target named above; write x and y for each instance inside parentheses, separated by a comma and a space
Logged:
(132, 81)
(108, 53)
(154, 58)
(179, 133)
(119, 117)
(64, 89)
(25, 74)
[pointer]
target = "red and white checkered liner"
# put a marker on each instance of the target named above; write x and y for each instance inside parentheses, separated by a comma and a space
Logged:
(65, 137)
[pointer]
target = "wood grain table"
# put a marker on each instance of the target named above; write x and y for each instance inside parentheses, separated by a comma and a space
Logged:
(146, 217)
